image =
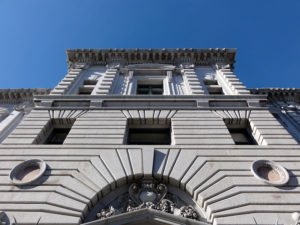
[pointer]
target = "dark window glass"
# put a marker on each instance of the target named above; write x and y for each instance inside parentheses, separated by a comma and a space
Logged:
(150, 89)
(85, 91)
(213, 87)
(90, 82)
(149, 136)
(242, 136)
(57, 136)
(240, 131)
(55, 131)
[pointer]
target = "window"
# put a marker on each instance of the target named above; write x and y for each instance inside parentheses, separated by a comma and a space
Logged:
(55, 131)
(149, 133)
(150, 89)
(240, 131)
(90, 82)
(87, 87)
(85, 91)
(57, 136)
(213, 87)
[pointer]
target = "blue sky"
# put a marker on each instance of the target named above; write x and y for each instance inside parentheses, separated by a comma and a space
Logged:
(36, 33)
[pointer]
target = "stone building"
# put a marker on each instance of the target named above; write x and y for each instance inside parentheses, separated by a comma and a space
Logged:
(152, 136)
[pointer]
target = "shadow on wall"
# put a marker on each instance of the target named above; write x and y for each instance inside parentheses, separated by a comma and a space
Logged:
(293, 182)
(289, 127)
(4, 218)
(159, 157)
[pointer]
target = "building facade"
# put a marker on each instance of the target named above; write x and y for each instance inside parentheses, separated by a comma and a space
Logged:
(152, 136)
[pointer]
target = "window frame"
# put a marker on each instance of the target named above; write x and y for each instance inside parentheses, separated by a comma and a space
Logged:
(150, 79)
(163, 126)
(242, 127)
(48, 130)
(150, 89)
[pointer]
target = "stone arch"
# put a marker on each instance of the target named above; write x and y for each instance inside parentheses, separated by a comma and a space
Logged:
(111, 169)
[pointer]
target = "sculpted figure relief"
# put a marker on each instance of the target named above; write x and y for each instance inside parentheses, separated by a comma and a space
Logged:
(151, 195)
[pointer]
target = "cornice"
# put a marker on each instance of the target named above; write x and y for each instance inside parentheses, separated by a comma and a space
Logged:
(176, 56)
(282, 94)
(116, 102)
(14, 96)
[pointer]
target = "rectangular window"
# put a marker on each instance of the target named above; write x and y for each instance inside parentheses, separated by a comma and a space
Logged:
(90, 82)
(87, 87)
(148, 134)
(57, 136)
(150, 89)
(240, 131)
(85, 91)
(213, 87)
(210, 81)
(55, 131)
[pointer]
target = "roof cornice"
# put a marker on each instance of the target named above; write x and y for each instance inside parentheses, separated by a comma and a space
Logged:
(164, 56)
(13, 96)
(278, 94)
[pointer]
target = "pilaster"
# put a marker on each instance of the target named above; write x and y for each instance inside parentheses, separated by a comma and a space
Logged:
(229, 81)
(10, 123)
(105, 86)
(191, 81)
(128, 83)
(65, 84)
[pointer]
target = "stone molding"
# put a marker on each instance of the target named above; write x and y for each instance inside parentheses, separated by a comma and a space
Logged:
(278, 94)
(150, 102)
(16, 96)
(146, 215)
(165, 56)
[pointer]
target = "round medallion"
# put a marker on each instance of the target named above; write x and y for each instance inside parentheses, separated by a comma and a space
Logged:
(27, 171)
(270, 172)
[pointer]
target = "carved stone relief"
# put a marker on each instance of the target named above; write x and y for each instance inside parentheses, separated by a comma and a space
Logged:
(148, 194)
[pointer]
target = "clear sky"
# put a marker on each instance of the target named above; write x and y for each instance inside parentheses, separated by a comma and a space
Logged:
(35, 34)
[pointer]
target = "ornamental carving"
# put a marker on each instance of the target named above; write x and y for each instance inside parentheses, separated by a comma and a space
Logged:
(148, 194)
